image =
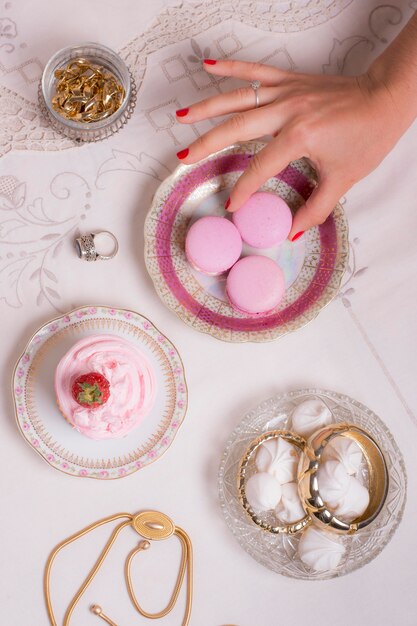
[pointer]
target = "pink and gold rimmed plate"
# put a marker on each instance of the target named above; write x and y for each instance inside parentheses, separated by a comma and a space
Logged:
(45, 429)
(313, 265)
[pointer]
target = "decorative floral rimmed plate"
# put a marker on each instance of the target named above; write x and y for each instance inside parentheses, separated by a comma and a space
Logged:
(42, 424)
(279, 552)
(313, 265)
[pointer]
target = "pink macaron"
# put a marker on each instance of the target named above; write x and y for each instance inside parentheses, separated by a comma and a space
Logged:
(255, 285)
(213, 244)
(264, 220)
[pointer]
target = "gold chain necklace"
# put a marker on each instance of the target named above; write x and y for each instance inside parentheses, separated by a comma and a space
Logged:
(152, 526)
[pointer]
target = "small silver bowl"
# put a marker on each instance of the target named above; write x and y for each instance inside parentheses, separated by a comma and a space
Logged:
(82, 131)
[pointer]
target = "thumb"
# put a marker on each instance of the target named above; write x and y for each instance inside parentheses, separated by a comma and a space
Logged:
(316, 209)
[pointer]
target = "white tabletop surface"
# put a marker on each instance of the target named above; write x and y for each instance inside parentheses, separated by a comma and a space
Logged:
(363, 345)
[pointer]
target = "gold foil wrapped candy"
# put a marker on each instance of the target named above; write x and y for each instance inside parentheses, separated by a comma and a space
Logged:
(86, 92)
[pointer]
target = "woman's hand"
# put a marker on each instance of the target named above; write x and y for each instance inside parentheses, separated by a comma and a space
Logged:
(344, 125)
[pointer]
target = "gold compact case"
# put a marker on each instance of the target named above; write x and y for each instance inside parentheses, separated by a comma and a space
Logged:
(308, 481)
(246, 468)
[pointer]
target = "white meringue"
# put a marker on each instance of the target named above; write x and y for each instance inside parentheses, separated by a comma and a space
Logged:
(290, 509)
(309, 416)
(355, 501)
(333, 482)
(346, 451)
(320, 550)
(279, 458)
(263, 492)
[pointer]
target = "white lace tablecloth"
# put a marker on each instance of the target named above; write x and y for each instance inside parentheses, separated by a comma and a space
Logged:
(363, 344)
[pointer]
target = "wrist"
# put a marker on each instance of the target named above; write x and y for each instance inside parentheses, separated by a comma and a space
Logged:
(395, 88)
(395, 72)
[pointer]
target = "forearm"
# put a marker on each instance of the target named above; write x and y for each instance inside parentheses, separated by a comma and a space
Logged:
(396, 71)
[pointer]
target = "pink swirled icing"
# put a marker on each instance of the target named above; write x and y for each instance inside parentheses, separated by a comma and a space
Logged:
(132, 386)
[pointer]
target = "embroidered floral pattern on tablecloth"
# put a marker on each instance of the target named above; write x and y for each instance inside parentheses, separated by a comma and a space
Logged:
(31, 239)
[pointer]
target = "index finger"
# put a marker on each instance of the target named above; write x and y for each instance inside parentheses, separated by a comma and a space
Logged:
(266, 74)
(265, 164)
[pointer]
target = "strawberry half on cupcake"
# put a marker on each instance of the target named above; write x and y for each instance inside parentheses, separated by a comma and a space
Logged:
(104, 386)
(91, 390)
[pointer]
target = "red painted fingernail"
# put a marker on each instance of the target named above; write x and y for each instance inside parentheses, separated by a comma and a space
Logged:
(182, 112)
(297, 235)
(210, 61)
(183, 153)
(226, 206)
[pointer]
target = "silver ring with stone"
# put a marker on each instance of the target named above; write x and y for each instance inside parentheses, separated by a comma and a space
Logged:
(86, 248)
(256, 84)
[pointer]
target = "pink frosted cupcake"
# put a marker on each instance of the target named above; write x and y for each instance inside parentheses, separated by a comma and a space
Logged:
(104, 386)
